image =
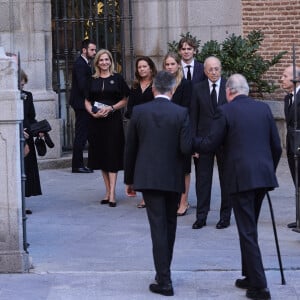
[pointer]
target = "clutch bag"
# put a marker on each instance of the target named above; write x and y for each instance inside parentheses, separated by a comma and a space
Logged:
(41, 126)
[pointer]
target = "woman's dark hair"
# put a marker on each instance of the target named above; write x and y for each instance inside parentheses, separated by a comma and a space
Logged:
(151, 65)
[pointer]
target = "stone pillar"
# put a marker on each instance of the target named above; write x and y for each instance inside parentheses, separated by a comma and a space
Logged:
(13, 259)
(25, 27)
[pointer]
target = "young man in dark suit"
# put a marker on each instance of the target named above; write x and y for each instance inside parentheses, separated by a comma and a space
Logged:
(252, 150)
(158, 138)
(289, 112)
(203, 107)
(81, 77)
(192, 69)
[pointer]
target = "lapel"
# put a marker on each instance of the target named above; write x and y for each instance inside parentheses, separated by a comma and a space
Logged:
(290, 112)
(222, 93)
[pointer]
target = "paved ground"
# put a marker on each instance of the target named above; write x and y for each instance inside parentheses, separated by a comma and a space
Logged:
(83, 250)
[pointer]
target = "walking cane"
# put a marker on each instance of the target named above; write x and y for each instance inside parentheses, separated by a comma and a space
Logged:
(276, 240)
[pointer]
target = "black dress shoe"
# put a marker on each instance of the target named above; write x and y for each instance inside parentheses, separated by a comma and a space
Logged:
(81, 170)
(104, 201)
(258, 293)
(199, 224)
(222, 224)
(112, 204)
(242, 283)
(28, 211)
(166, 289)
(292, 225)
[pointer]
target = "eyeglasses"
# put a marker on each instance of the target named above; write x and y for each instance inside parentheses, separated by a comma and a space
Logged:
(212, 70)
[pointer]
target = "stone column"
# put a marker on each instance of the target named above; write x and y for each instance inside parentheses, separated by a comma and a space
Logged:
(13, 259)
(25, 27)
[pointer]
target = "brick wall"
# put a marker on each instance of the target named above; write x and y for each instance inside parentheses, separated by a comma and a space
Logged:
(280, 23)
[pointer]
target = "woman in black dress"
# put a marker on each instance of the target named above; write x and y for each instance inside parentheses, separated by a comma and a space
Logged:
(141, 91)
(32, 183)
(182, 96)
(106, 97)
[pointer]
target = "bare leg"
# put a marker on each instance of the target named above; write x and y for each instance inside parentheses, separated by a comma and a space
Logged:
(184, 205)
(112, 186)
(107, 185)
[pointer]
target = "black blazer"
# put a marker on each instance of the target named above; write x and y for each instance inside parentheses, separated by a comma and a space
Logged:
(251, 144)
(290, 119)
(158, 138)
(202, 110)
(183, 93)
(198, 73)
(81, 77)
(29, 111)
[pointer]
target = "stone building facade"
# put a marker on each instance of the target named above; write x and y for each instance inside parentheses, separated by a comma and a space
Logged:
(25, 27)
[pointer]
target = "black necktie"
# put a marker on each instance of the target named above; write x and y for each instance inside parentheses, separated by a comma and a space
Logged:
(188, 74)
(213, 96)
(290, 100)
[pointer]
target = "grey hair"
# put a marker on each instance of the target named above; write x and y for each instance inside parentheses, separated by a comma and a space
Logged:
(164, 82)
(238, 84)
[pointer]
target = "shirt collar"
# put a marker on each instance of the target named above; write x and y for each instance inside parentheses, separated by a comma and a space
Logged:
(218, 83)
(162, 96)
(191, 64)
(85, 59)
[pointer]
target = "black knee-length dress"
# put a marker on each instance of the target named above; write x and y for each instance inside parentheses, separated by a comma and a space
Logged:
(106, 135)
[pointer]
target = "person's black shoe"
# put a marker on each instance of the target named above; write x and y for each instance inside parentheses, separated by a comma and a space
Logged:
(242, 283)
(48, 140)
(28, 211)
(199, 224)
(82, 170)
(112, 204)
(166, 289)
(104, 201)
(292, 225)
(258, 293)
(222, 224)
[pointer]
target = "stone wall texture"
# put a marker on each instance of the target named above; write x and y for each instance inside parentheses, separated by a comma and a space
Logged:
(279, 21)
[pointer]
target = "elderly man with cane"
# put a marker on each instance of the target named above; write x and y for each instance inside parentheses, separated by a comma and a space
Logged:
(252, 150)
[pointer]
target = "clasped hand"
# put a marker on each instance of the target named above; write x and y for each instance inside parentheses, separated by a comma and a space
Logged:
(103, 112)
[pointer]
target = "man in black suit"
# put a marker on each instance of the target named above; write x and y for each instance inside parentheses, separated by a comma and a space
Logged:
(193, 70)
(158, 138)
(252, 149)
(289, 111)
(207, 96)
(81, 76)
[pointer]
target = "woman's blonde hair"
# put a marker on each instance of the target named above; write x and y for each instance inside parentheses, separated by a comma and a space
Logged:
(179, 73)
(96, 60)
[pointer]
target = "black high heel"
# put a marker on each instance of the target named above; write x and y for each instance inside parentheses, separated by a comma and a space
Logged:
(104, 201)
(112, 204)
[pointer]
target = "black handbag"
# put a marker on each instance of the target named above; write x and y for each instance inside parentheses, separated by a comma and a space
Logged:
(41, 126)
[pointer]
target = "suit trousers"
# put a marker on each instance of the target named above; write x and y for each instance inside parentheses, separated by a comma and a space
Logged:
(204, 167)
(81, 136)
(161, 209)
(246, 207)
(292, 167)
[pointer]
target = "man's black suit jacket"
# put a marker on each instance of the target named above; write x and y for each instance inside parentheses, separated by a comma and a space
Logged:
(158, 138)
(198, 73)
(202, 110)
(290, 120)
(251, 144)
(81, 77)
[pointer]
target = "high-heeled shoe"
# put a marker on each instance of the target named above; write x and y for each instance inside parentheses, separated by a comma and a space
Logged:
(112, 204)
(104, 201)
(184, 212)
